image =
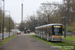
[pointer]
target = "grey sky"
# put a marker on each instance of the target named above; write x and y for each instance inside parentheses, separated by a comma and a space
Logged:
(30, 6)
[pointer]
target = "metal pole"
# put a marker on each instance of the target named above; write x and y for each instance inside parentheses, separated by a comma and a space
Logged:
(13, 27)
(48, 20)
(9, 23)
(68, 12)
(1, 28)
(65, 23)
(3, 19)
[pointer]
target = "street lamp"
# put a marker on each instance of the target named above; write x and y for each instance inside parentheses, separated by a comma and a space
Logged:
(3, 18)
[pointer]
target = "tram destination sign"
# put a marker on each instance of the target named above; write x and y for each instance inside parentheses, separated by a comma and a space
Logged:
(57, 26)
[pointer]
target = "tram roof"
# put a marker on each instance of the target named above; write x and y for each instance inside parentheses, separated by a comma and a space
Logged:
(46, 25)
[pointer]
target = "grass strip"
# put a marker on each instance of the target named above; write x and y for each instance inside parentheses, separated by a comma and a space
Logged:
(6, 40)
(51, 43)
(72, 38)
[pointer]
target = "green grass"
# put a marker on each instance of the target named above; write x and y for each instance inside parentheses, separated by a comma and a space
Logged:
(6, 40)
(54, 43)
(72, 38)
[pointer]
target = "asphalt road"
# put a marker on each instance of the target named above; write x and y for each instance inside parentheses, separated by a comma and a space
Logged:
(6, 35)
(25, 42)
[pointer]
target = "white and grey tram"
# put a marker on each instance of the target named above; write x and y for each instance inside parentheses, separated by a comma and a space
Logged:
(50, 32)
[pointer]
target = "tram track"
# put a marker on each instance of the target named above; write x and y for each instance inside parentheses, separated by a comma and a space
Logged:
(58, 43)
(64, 44)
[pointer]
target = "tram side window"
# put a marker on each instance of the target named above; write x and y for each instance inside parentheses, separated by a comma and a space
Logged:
(36, 31)
(50, 31)
(53, 31)
(39, 31)
(45, 31)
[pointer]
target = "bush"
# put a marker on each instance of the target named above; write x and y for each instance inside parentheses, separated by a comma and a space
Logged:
(70, 29)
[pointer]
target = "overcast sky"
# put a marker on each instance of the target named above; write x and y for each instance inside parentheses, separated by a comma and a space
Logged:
(30, 7)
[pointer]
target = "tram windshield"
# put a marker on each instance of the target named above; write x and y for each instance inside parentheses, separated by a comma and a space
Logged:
(57, 31)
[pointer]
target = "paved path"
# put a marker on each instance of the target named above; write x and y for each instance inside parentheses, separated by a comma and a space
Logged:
(6, 35)
(25, 42)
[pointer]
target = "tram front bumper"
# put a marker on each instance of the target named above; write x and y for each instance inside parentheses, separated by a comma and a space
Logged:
(57, 39)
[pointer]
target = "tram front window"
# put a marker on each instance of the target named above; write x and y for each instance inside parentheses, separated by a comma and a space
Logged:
(57, 31)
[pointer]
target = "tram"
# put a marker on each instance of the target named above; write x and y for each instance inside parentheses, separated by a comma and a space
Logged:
(50, 32)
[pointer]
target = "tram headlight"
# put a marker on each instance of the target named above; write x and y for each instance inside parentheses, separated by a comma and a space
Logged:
(62, 36)
(52, 36)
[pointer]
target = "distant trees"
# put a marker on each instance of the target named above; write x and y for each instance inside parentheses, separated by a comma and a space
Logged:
(21, 26)
(31, 23)
(52, 14)
(6, 21)
(70, 10)
(45, 15)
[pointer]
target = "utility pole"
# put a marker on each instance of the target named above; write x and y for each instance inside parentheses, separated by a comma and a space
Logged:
(64, 22)
(13, 25)
(68, 12)
(3, 18)
(1, 27)
(48, 19)
(9, 23)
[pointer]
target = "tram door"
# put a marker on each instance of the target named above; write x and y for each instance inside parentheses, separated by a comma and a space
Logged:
(50, 32)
